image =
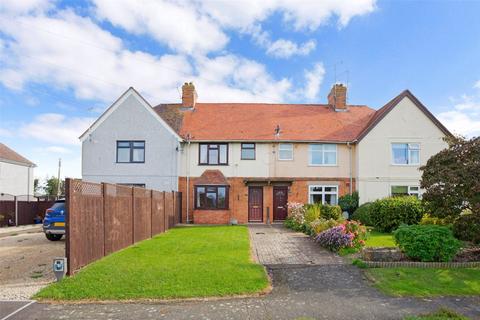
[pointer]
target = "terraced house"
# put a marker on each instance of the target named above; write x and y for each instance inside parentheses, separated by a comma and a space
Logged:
(246, 161)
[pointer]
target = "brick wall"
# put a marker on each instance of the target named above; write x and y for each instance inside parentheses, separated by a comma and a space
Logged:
(238, 199)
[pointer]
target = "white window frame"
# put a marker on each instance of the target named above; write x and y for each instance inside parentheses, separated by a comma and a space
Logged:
(411, 146)
(310, 155)
(280, 149)
(410, 190)
(323, 192)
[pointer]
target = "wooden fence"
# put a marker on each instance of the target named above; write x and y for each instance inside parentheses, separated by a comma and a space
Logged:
(103, 218)
(26, 211)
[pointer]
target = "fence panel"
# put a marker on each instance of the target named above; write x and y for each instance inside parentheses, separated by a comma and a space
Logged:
(104, 218)
(85, 224)
(27, 211)
(7, 211)
(169, 208)
(118, 217)
(158, 212)
(142, 214)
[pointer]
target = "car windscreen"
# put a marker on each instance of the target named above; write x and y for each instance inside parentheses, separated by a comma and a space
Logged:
(57, 206)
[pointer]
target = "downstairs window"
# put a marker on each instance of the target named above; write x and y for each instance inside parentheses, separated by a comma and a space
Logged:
(211, 197)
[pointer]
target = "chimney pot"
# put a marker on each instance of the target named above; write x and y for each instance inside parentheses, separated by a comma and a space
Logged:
(337, 98)
(189, 95)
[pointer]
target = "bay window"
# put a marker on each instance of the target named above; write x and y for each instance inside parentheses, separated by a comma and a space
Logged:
(211, 197)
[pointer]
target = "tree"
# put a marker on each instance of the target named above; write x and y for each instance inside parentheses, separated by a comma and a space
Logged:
(451, 179)
(36, 185)
(51, 186)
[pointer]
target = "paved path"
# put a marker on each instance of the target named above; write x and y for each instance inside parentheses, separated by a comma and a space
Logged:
(275, 245)
(322, 287)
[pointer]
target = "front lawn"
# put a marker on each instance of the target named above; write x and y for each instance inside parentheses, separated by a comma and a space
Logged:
(182, 263)
(380, 239)
(426, 282)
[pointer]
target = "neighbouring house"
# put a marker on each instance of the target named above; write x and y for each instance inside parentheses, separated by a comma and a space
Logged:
(16, 173)
(245, 161)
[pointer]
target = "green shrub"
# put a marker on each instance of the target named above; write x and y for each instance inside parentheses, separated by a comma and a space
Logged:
(427, 242)
(363, 214)
(467, 227)
(359, 263)
(389, 213)
(312, 212)
(428, 219)
(349, 202)
(331, 212)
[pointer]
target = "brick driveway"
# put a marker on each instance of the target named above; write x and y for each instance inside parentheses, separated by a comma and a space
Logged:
(276, 245)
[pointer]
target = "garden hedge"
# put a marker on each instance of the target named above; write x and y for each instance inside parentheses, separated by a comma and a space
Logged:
(427, 243)
(389, 213)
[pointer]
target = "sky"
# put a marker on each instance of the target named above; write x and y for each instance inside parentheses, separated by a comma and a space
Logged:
(62, 63)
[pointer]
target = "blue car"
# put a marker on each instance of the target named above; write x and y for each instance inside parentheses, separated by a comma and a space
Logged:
(54, 222)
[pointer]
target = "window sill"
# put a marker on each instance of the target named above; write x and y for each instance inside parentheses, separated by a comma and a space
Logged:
(209, 165)
(130, 162)
(405, 165)
(322, 165)
(212, 209)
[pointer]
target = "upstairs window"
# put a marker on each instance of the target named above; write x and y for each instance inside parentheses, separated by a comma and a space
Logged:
(248, 151)
(285, 151)
(213, 154)
(406, 153)
(130, 151)
(400, 191)
(323, 154)
(211, 197)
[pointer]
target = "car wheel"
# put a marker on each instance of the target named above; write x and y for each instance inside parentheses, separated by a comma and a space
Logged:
(53, 237)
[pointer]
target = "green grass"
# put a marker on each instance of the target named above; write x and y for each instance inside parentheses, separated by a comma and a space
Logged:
(442, 314)
(182, 263)
(426, 282)
(380, 239)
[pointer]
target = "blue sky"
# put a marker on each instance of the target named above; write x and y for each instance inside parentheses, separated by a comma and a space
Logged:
(63, 62)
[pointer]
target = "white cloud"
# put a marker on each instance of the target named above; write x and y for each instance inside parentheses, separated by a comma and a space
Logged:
(280, 48)
(24, 6)
(464, 119)
(285, 49)
(177, 24)
(56, 128)
(196, 26)
(314, 79)
(236, 79)
(5, 133)
(477, 84)
(57, 149)
(306, 15)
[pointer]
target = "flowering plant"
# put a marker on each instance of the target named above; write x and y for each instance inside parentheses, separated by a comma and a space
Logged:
(349, 234)
(296, 219)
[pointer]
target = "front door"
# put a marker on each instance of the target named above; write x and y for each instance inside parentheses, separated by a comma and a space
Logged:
(255, 204)
(280, 199)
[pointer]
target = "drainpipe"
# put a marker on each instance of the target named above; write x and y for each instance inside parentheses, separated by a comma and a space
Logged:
(351, 160)
(188, 178)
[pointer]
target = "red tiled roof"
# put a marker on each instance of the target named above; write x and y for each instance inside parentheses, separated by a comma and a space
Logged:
(9, 155)
(211, 177)
(257, 121)
(298, 122)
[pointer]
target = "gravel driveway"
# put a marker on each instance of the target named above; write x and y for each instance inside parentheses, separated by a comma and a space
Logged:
(26, 264)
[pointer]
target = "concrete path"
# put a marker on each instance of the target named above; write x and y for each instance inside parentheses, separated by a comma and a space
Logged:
(321, 286)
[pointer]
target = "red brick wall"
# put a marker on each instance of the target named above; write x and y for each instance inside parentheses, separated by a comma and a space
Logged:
(238, 199)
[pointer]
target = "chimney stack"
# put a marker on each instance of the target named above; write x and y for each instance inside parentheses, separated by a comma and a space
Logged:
(189, 95)
(337, 98)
